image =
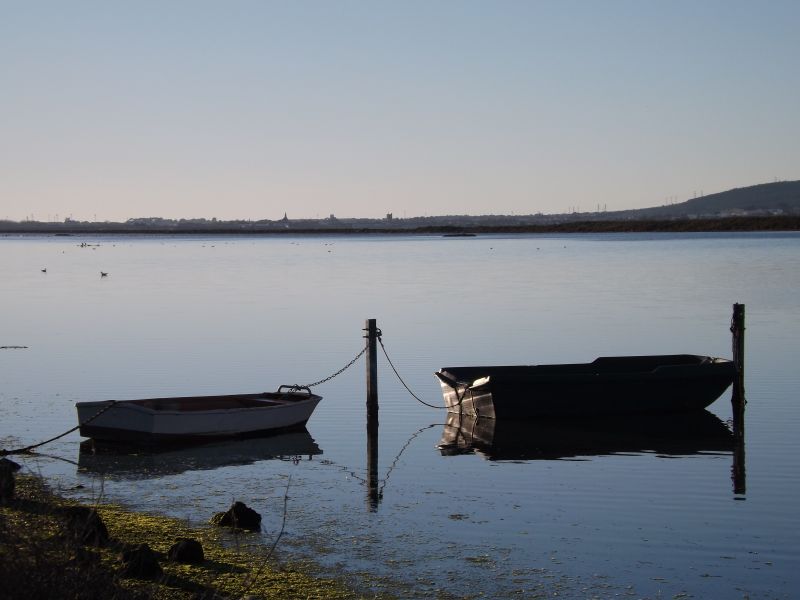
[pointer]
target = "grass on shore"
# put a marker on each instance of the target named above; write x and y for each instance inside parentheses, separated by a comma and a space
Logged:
(40, 559)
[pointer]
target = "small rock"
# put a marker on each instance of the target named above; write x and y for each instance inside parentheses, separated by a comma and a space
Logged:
(140, 562)
(186, 550)
(7, 483)
(238, 516)
(209, 594)
(9, 464)
(85, 526)
(83, 557)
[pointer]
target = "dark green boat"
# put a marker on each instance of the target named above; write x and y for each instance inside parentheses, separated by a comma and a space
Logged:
(613, 385)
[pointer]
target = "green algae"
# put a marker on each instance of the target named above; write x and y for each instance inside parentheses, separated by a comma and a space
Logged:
(236, 565)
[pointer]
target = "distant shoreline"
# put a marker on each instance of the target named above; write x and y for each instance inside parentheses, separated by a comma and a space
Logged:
(726, 224)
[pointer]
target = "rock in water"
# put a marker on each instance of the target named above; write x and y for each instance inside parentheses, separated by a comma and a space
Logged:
(238, 516)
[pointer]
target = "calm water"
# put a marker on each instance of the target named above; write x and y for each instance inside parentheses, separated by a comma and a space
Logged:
(196, 315)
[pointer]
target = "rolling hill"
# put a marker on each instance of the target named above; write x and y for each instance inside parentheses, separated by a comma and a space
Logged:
(782, 197)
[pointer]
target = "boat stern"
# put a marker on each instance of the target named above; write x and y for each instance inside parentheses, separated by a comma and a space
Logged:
(466, 397)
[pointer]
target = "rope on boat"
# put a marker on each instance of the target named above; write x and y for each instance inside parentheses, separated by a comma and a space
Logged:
(391, 364)
(27, 449)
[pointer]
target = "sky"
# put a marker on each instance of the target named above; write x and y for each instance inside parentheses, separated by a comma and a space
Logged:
(243, 109)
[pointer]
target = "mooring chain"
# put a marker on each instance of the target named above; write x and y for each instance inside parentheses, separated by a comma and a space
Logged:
(393, 464)
(27, 449)
(339, 372)
(391, 364)
(363, 481)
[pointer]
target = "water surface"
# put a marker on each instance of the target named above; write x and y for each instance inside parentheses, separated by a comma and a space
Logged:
(203, 315)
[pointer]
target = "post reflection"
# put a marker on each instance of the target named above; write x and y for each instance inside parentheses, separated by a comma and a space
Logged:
(738, 471)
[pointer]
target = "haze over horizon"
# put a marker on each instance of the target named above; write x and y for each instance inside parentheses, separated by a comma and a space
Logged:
(249, 109)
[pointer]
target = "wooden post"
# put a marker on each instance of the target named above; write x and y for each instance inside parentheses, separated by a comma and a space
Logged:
(738, 400)
(372, 410)
(737, 329)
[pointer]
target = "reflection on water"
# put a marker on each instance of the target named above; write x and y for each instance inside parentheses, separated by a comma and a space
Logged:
(668, 435)
(136, 463)
(207, 316)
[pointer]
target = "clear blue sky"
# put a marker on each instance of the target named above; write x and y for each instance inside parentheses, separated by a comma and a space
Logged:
(249, 109)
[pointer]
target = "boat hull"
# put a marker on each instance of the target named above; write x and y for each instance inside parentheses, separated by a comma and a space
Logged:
(197, 418)
(608, 386)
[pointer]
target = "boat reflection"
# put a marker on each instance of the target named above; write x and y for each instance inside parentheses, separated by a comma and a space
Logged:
(123, 462)
(669, 435)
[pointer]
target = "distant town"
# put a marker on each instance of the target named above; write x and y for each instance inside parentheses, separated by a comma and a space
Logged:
(771, 206)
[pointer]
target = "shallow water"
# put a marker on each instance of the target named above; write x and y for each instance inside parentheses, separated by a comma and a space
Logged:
(197, 315)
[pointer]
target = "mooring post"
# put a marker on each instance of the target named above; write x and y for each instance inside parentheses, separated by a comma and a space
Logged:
(372, 410)
(738, 400)
(737, 329)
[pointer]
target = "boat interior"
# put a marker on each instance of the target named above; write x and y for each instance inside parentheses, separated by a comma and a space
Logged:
(202, 403)
(605, 364)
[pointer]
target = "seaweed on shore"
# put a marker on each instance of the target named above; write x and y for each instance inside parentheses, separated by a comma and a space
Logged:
(42, 557)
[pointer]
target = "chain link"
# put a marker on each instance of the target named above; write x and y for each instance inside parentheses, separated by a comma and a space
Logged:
(27, 449)
(340, 371)
(413, 395)
(392, 466)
